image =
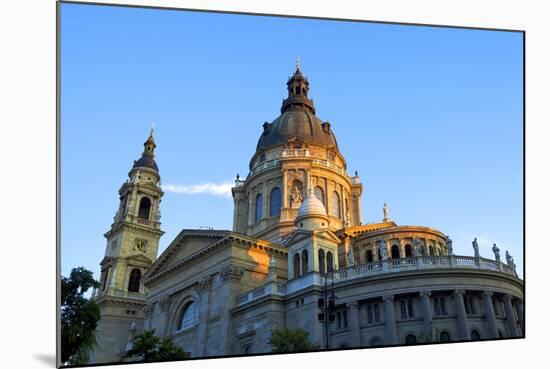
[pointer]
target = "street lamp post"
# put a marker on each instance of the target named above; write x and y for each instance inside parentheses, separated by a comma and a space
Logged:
(326, 304)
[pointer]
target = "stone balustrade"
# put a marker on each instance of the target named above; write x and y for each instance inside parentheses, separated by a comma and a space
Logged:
(376, 268)
(294, 153)
(264, 166)
(420, 263)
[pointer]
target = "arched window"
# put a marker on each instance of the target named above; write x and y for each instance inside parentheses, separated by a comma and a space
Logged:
(376, 313)
(410, 339)
(369, 256)
(319, 194)
(322, 261)
(408, 251)
(134, 281)
(330, 262)
(189, 316)
(431, 251)
(259, 207)
(370, 314)
(475, 335)
(335, 205)
(296, 265)
(144, 208)
(444, 337)
(500, 334)
(395, 252)
(304, 262)
(275, 202)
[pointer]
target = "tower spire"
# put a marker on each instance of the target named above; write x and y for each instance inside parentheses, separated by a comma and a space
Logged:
(147, 159)
(298, 63)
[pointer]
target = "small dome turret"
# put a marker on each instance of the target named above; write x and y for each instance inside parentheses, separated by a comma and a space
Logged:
(312, 214)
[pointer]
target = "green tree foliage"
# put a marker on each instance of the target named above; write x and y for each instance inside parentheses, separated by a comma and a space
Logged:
(79, 317)
(148, 347)
(285, 340)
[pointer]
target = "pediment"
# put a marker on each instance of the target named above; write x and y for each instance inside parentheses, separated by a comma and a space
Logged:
(139, 258)
(300, 235)
(187, 243)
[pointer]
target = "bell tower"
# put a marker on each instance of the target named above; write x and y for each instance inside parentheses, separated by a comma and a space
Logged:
(132, 246)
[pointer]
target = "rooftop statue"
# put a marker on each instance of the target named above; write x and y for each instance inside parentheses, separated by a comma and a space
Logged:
(450, 245)
(475, 245)
(496, 251)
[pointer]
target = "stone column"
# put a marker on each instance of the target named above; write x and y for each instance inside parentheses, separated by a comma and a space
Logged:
(391, 331)
(265, 201)
(510, 316)
(426, 313)
(463, 329)
(490, 314)
(353, 308)
(519, 305)
(342, 210)
(307, 184)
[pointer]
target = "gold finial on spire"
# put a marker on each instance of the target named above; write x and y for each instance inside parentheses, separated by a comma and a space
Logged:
(298, 63)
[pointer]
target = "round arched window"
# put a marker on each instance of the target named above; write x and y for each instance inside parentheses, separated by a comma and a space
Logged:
(375, 342)
(189, 316)
(444, 337)
(475, 335)
(410, 339)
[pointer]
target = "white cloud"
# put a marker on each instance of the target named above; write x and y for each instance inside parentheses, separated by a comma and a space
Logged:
(216, 189)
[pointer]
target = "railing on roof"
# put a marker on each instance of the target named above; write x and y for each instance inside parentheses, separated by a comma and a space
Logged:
(265, 166)
(329, 164)
(377, 268)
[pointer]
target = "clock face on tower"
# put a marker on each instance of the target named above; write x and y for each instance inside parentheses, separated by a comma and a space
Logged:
(140, 245)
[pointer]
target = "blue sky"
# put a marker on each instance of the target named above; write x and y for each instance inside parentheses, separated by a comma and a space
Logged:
(431, 118)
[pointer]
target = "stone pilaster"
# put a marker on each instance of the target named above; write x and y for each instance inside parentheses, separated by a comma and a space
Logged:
(250, 209)
(391, 330)
(463, 329)
(510, 316)
(490, 314)
(426, 313)
(353, 309)
(284, 189)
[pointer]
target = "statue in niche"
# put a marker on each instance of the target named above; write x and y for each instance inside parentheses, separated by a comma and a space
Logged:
(351, 259)
(296, 198)
(475, 245)
(383, 250)
(417, 247)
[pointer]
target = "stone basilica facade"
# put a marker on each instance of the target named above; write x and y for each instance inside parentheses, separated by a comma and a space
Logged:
(297, 235)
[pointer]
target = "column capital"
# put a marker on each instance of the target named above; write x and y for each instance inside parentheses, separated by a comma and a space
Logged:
(487, 294)
(352, 305)
(425, 293)
(388, 298)
(459, 292)
(508, 298)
